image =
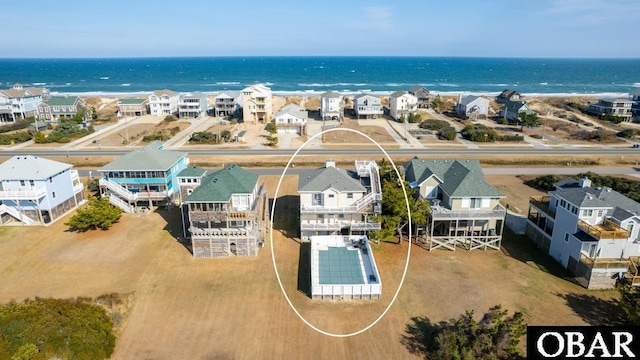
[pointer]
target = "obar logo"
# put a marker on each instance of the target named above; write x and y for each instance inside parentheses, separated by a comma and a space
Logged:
(582, 342)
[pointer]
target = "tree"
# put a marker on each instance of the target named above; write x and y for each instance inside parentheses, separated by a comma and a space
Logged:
(448, 133)
(495, 336)
(40, 138)
(630, 302)
(394, 217)
(436, 103)
(272, 140)
(528, 119)
(170, 118)
(271, 128)
(99, 213)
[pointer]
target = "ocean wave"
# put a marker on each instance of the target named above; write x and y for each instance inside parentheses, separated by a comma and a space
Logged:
(39, 83)
(544, 83)
(332, 84)
(125, 84)
(636, 84)
(448, 85)
(227, 83)
(104, 78)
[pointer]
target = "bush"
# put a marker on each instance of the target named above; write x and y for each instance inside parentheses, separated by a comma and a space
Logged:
(17, 125)
(433, 124)
(18, 137)
(627, 134)
(479, 133)
(414, 118)
(40, 138)
(544, 183)
(536, 136)
(203, 137)
(170, 118)
(448, 133)
(511, 138)
(272, 140)
(271, 128)
(153, 137)
(612, 118)
(55, 328)
(595, 135)
(68, 130)
(98, 214)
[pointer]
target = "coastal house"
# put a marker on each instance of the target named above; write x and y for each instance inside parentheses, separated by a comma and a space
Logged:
(331, 106)
(339, 202)
(472, 107)
(163, 102)
(292, 119)
(402, 104)
(634, 96)
(367, 106)
(592, 232)
(61, 107)
(37, 191)
(188, 180)
(143, 178)
(512, 109)
(464, 210)
(256, 104)
(423, 96)
(226, 103)
(192, 105)
(612, 106)
(132, 107)
(226, 215)
(507, 96)
(19, 102)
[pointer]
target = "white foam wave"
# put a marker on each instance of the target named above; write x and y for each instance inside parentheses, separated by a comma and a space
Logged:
(39, 83)
(104, 78)
(544, 83)
(448, 85)
(125, 84)
(636, 84)
(227, 83)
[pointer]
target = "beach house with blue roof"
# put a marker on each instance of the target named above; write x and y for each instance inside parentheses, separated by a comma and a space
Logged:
(226, 214)
(37, 191)
(464, 210)
(144, 177)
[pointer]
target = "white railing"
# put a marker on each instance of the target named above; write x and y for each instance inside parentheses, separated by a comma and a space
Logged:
(16, 214)
(323, 209)
(366, 226)
(78, 188)
(116, 201)
(223, 232)
(22, 194)
(320, 226)
(74, 175)
(119, 190)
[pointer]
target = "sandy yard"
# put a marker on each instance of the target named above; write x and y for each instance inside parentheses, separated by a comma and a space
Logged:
(232, 308)
(377, 133)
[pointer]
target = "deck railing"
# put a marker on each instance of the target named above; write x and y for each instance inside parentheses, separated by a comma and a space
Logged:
(607, 230)
(542, 203)
(440, 213)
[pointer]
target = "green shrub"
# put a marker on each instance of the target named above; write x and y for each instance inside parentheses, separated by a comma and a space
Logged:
(448, 133)
(612, 118)
(203, 137)
(433, 124)
(68, 130)
(17, 125)
(511, 138)
(479, 133)
(544, 183)
(170, 118)
(153, 137)
(627, 134)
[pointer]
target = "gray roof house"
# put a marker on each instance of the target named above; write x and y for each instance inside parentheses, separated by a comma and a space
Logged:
(226, 214)
(593, 232)
(512, 109)
(336, 201)
(423, 95)
(507, 95)
(465, 210)
(472, 107)
(367, 106)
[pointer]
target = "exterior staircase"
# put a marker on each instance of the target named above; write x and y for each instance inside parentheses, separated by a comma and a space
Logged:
(16, 214)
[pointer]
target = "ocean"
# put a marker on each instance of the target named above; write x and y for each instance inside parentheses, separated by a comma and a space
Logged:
(314, 75)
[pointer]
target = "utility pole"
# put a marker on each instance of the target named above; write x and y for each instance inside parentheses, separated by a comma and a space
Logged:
(545, 124)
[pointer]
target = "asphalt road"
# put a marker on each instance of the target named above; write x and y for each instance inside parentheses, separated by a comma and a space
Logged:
(288, 152)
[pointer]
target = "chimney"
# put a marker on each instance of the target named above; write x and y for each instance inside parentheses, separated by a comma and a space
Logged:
(585, 182)
(330, 163)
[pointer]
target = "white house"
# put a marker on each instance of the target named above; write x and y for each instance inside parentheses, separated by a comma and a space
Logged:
(367, 106)
(472, 107)
(592, 232)
(291, 119)
(226, 103)
(331, 106)
(164, 102)
(402, 103)
(37, 191)
(192, 105)
(256, 103)
(20, 102)
(335, 201)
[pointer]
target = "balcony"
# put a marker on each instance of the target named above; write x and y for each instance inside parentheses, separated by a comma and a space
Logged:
(440, 213)
(606, 264)
(223, 233)
(607, 230)
(327, 210)
(30, 194)
(542, 203)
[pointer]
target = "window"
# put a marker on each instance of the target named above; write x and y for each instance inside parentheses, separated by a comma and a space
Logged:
(22, 183)
(340, 216)
(31, 183)
(53, 194)
(317, 199)
(566, 237)
(189, 191)
(599, 213)
(331, 196)
(563, 203)
(349, 195)
(630, 227)
(51, 180)
(475, 203)
(587, 212)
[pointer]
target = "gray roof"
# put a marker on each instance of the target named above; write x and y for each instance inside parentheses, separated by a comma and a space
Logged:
(361, 95)
(397, 94)
(635, 91)
(220, 185)
(330, 94)
(150, 158)
(132, 101)
(294, 110)
(329, 177)
(507, 93)
(228, 94)
(600, 197)
(516, 107)
(460, 178)
(469, 99)
(28, 167)
(165, 92)
(192, 171)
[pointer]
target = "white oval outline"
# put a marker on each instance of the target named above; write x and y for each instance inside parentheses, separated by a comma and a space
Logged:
(273, 257)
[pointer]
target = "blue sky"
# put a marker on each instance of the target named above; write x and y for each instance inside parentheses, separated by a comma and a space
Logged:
(492, 28)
